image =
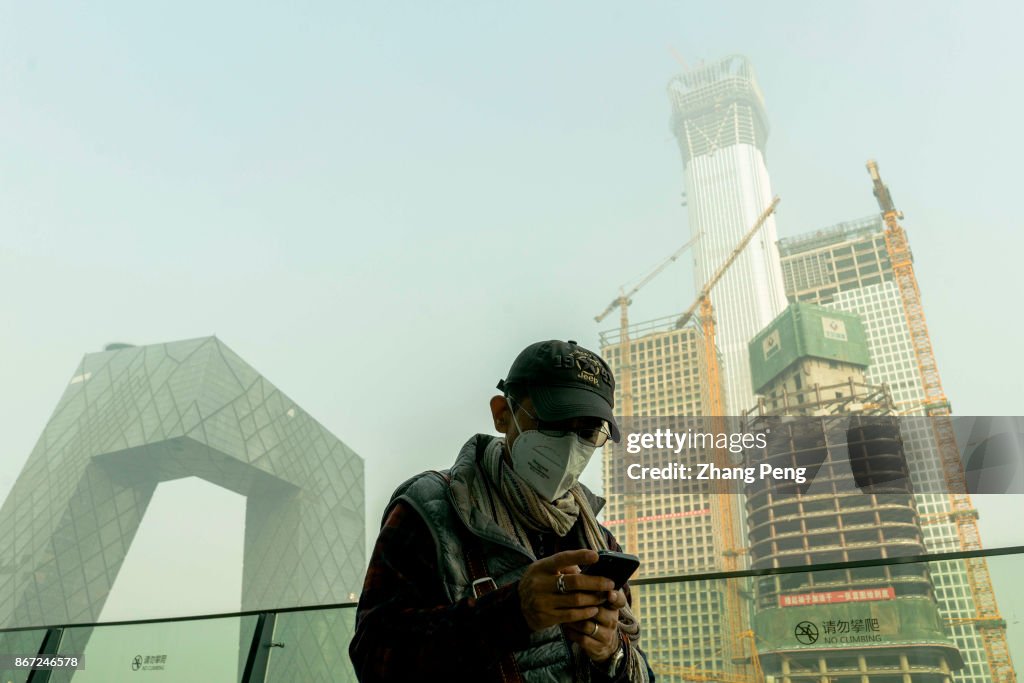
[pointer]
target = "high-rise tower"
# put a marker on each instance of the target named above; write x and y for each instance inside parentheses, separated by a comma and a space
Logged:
(846, 267)
(875, 623)
(719, 120)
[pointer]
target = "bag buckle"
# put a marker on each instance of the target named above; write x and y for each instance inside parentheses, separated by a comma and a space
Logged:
(480, 586)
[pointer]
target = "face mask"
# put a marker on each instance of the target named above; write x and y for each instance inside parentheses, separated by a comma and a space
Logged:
(550, 464)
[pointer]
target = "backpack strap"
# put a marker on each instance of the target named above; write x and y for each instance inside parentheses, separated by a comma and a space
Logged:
(482, 585)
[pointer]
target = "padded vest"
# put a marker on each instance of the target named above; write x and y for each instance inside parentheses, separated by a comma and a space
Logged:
(446, 509)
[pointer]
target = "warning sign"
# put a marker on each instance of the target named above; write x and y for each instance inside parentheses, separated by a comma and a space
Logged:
(831, 597)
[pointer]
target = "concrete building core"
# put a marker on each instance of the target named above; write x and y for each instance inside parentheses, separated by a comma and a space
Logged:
(804, 352)
(845, 267)
(878, 623)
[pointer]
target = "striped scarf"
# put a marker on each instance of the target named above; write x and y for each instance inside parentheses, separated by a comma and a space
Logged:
(518, 509)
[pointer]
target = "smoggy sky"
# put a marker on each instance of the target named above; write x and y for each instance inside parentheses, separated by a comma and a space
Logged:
(378, 205)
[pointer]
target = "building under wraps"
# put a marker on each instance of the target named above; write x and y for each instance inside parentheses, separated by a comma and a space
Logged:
(845, 267)
(846, 625)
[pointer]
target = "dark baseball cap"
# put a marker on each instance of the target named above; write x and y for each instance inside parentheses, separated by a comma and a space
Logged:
(564, 380)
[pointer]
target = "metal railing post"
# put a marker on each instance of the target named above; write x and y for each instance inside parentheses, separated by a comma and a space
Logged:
(48, 648)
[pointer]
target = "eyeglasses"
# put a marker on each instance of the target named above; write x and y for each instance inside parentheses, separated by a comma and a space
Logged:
(590, 436)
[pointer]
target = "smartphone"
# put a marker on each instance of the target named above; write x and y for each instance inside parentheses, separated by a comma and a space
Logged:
(612, 565)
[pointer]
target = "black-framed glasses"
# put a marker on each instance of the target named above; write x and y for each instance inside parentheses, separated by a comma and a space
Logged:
(588, 436)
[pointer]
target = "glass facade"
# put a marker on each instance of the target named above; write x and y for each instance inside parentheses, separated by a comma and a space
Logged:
(133, 417)
(719, 121)
(668, 378)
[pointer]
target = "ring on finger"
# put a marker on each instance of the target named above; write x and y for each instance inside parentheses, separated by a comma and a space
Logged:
(597, 627)
(560, 584)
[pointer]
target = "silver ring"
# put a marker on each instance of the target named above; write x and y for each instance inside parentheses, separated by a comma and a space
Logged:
(560, 584)
(597, 627)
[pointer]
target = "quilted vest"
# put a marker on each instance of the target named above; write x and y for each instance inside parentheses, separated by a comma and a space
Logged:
(444, 504)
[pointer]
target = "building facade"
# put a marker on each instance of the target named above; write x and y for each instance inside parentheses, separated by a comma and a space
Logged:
(133, 417)
(670, 528)
(878, 623)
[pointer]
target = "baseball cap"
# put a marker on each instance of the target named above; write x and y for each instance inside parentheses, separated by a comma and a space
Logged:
(564, 381)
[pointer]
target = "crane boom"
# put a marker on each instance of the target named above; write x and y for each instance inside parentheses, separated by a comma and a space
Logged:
(625, 371)
(685, 317)
(742, 664)
(618, 301)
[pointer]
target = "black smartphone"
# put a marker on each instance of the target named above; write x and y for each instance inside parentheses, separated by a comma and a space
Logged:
(612, 565)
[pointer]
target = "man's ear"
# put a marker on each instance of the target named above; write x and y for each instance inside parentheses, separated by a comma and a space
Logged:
(501, 413)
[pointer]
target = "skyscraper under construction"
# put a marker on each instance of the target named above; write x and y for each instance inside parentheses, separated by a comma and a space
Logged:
(719, 120)
(846, 267)
(850, 624)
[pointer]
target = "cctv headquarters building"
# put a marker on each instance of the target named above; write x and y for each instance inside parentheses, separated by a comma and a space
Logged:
(130, 419)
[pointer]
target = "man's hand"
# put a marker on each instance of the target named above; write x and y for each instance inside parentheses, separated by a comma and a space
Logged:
(601, 644)
(543, 606)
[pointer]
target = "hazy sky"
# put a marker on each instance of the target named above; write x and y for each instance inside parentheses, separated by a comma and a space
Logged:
(378, 205)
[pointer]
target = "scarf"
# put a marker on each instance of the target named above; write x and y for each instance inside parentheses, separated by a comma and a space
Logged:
(517, 509)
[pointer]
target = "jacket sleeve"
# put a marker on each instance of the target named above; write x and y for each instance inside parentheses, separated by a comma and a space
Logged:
(406, 628)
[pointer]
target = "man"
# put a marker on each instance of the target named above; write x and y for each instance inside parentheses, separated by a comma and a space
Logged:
(476, 573)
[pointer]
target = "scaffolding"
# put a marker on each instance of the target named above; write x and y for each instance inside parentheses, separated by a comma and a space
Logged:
(856, 505)
(835, 234)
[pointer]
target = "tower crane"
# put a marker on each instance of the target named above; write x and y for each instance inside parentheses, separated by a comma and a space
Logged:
(936, 406)
(750, 668)
(734, 631)
(626, 369)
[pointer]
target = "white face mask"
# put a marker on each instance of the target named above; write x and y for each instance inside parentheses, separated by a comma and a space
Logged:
(550, 464)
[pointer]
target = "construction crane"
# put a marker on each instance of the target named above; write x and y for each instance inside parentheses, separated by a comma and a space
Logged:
(701, 675)
(716, 403)
(705, 291)
(624, 300)
(987, 619)
(733, 650)
(734, 633)
(626, 371)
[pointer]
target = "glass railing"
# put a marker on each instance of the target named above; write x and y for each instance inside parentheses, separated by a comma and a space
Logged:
(897, 620)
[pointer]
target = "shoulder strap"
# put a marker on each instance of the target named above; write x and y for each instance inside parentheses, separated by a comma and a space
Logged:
(482, 583)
